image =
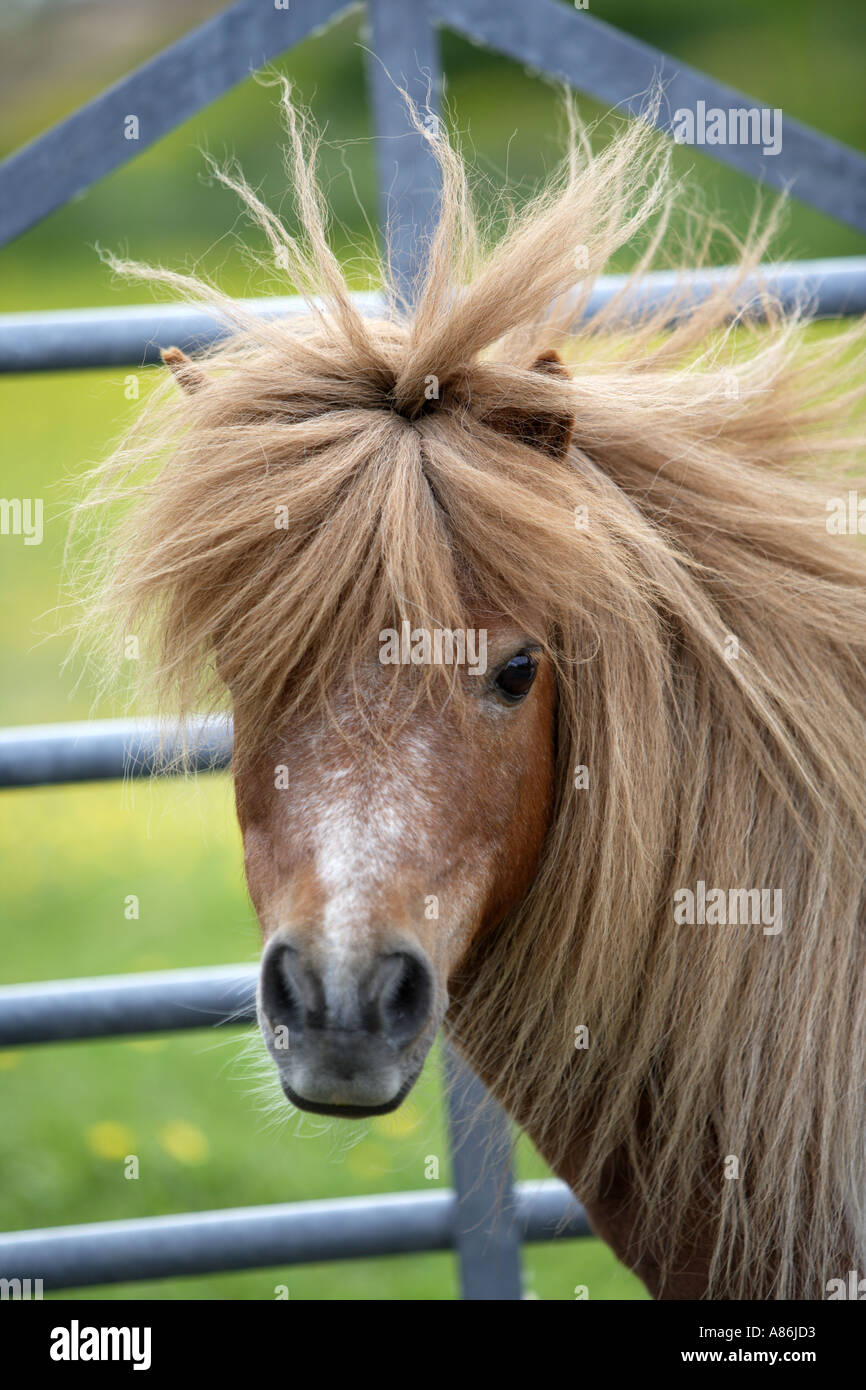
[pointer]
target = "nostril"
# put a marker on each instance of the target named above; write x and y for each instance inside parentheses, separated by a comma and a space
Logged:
(406, 997)
(282, 989)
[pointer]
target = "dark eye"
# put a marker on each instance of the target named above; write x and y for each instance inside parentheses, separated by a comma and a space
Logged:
(515, 679)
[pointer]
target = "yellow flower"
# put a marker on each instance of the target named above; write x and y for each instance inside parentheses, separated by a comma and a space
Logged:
(110, 1140)
(184, 1141)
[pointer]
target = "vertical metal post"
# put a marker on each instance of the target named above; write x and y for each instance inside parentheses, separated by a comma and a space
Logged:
(405, 53)
(486, 1235)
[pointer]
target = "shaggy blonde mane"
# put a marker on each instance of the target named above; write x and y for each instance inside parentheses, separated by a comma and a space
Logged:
(690, 509)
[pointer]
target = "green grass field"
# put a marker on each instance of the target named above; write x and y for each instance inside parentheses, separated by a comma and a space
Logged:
(196, 1109)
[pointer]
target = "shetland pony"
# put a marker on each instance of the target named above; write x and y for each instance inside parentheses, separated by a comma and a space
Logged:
(621, 859)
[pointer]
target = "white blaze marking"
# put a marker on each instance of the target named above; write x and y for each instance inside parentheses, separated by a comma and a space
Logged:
(361, 841)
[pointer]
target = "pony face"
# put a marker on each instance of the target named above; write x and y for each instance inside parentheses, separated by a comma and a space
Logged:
(374, 860)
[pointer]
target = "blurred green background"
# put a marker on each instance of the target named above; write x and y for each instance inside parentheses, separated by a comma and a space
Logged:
(195, 1108)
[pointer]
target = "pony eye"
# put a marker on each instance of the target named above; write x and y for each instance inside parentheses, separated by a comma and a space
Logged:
(515, 679)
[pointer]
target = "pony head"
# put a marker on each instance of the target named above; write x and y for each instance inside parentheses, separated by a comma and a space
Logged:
(395, 790)
(527, 621)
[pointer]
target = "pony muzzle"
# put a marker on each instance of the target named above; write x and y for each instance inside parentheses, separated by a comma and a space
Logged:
(347, 1037)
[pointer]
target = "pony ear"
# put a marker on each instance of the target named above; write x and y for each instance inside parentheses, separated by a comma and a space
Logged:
(551, 434)
(188, 376)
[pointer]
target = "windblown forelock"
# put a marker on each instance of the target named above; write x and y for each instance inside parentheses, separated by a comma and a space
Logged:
(301, 514)
(294, 612)
(319, 417)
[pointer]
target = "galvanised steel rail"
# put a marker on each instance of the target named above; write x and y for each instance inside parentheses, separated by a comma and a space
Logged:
(163, 93)
(346, 1228)
(132, 335)
(116, 1006)
(619, 70)
(98, 750)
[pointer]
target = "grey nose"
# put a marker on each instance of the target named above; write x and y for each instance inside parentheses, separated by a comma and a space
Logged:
(390, 998)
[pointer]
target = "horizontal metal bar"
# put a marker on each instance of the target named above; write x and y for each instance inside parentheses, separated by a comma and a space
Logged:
(160, 96)
(620, 70)
(132, 335)
(831, 288)
(347, 1228)
(108, 1006)
(95, 750)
